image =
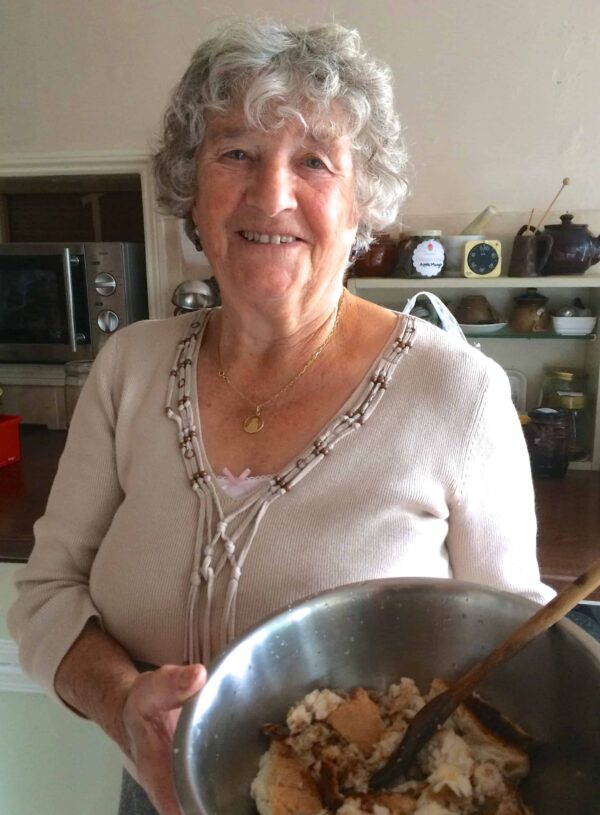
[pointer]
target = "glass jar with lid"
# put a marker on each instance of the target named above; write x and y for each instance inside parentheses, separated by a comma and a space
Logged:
(575, 404)
(378, 260)
(548, 434)
(420, 254)
(559, 382)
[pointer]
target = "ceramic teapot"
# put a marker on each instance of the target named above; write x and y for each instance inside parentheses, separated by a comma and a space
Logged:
(574, 248)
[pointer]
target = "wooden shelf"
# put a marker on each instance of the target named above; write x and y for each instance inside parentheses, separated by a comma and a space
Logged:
(502, 282)
(509, 334)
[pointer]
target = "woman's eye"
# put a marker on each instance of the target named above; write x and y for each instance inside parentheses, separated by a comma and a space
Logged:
(237, 155)
(315, 163)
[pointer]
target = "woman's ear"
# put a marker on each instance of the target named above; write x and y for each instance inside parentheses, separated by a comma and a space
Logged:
(191, 231)
(355, 251)
(196, 240)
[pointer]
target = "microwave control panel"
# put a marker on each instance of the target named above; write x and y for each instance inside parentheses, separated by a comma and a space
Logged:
(116, 285)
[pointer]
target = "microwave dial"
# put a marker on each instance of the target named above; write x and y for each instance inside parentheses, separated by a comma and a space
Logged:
(105, 284)
(108, 321)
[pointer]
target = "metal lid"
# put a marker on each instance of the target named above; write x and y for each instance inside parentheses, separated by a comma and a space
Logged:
(531, 295)
(566, 223)
(571, 401)
(549, 415)
(426, 233)
(566, 374)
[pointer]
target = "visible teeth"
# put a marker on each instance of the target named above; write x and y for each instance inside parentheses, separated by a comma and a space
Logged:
(261, 237)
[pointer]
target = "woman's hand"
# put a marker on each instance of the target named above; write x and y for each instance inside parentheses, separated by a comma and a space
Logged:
(138, 711)
(150, 714)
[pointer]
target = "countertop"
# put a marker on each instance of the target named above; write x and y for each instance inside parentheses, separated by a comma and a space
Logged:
(568, 509)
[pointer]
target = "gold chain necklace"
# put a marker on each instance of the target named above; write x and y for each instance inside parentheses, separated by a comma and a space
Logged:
(255, 422)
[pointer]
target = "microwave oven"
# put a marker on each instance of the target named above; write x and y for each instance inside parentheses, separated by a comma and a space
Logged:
(60, 301)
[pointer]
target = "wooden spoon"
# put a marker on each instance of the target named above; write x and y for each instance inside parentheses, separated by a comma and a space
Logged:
(429, 719)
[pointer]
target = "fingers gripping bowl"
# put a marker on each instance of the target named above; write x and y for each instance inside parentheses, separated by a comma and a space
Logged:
(369, 635)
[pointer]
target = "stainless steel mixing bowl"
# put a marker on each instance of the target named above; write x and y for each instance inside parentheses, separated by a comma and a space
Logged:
(371, 634)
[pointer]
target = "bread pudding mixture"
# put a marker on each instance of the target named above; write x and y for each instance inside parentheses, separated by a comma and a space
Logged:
(334, 741)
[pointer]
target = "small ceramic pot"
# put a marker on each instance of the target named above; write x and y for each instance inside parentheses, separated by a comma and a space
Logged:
(530, 313)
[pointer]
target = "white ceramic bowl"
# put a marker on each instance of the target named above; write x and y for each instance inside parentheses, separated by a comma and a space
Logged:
(481, 329)
(574, 326)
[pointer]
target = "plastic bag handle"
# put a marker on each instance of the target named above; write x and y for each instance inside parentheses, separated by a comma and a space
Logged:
(448, 321)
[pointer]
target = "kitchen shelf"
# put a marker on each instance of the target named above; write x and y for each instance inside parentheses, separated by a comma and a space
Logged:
(502, 282)
(513, 350)
(508, 334)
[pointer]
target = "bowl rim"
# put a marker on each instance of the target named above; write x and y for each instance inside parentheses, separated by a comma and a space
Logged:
(575, 318)
(383, 583)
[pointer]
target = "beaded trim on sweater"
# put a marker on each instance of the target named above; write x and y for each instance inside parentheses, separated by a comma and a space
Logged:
(224, 539)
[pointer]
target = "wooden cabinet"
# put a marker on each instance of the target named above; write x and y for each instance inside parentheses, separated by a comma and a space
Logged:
(527, 353)
(72, 209)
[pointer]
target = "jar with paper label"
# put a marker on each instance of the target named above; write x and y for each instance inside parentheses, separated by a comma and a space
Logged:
(421, 255)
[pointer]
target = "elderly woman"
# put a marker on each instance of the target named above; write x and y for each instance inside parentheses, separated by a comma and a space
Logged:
(223, 464)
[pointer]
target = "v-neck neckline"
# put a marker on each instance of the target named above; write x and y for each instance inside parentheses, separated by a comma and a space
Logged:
(353, 399)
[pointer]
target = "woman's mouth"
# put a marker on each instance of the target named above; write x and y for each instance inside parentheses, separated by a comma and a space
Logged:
(262, 237)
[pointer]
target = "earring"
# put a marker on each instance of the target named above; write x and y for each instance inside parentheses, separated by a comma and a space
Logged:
(196, 240)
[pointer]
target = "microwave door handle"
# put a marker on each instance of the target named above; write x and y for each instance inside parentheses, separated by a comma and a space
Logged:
(66, 261)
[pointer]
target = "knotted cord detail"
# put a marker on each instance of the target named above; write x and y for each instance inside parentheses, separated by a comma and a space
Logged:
(225, 539)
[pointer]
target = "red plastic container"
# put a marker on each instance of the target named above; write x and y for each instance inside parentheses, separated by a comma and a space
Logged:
(10, 442)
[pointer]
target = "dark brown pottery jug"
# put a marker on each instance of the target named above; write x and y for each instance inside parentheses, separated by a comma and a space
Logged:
(530, 253)
(574, 250)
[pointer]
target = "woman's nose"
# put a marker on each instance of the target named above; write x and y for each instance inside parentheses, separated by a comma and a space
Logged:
(272, 189)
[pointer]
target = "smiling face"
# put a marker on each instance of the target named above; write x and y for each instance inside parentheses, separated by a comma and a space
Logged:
(274, 210)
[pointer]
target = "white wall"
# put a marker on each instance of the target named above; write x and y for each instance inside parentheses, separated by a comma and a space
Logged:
(498, 99)
(51, 762)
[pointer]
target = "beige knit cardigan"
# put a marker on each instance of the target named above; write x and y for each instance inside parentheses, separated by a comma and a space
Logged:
(423, 472)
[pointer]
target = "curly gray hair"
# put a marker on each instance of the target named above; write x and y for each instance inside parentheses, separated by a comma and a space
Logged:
(318, 76)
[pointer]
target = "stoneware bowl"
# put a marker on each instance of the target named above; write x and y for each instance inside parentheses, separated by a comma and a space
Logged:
(371, 634)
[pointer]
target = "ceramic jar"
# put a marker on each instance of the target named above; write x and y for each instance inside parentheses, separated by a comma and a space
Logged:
(530, 313)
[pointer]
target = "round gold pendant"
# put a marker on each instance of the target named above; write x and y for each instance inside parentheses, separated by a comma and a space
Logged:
(253, 424)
